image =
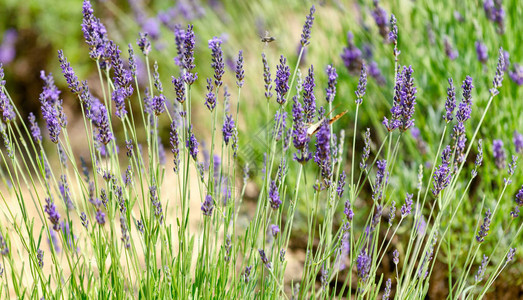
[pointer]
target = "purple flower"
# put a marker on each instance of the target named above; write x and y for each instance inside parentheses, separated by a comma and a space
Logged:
(396, 256)
(191, 143)
(8, 46)
(406, 209)
(143, 43)
(274, 196)
(380, 17)
(153, 196)
(207, 206)
(132, 61)
(6, 109)
(275, 230)
(482, 52)
(450, 104)
(67, 70)
(479, 158)
(519, 197)
(362, 85)
(35, 129)
(100, 217)
(306, 34)
(217, 60)
(388, 286)
(158, 104)
(264, 259)
(52, 214)
(408, 99)
(282, 80)
(228, 128)
(517, 74)
(451, 53)
(349, 213)
(485, 227)
(179, 88)
(351, 55)
(495, 13)
(377, 216)
(363, 264)
(94, 31)
(366, 149)
(210, 98)
(393, 33)
(188, 56)
(51, 117)
(309, 100)
(498, 78)
(330, 91)
(341, 184)
(104, 135)
(125, 233)
(240, 74)
(380, 180)
(441, 179)
(4, 249)
(267, 77)
(518, 141)
(499, 154)
(300, 137)
(510, 255)
(174, 140)
(322, 157)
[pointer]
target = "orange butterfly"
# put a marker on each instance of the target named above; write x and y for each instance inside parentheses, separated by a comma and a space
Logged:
(313, 128)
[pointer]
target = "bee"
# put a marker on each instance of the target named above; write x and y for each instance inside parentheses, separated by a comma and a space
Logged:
(267, 38)
(315, 127)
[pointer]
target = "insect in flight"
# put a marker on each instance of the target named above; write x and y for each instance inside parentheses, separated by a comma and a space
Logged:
(267, 38)
(313, 128)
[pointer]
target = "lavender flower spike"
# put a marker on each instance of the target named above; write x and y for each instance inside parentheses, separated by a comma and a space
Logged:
(482, 52)
(499, 154)
(518, 141)
(498, 78)
(217, 60)
(207, 206)
(330, 91)
(450, 104)
(240, 74)
(69, 74)
(362, 85)
(192, 144)
(228, 128)
(274, 196)
(52, 214)
(309, 100)
(485, 227)
(188, 56)
(267, 77)
(406, 209)
(282, 80)
(306, 34)
(144, 44)
(35, 129)
(6, 109)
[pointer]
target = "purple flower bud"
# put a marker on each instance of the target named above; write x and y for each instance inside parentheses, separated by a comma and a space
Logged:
(380, 17)
(35, 129)
(143, 43)
(207, 206)
(52, 214)
(306, 33)
(450, 104)
(228, 128)
(366, 149)
(4, 249)
(396, 256)
(330, 91)
(132, 61)
(191, 143)
(499, 154)
(498, 78)
(349, 213)
(240, 74)
(67, 70)
(406, 209)
(309, 100)
(485, 227)
(510, 255)
(380, 180)
(482, 52)
(442, 177)
(188, 56)
(264, 259)
(388, 286)
(363, 264)
(518, 141)
(174, 140)
(451, 53)
(275, 230)
(6, 109)
(274, 196)
(100, 217)
(94, 31)
(210, 98)
(351, 55)
(104, 135)
(517, 74)
(322, 157)
(217, 60)
(282, 80)
(362, 85)
(125, 233)
(341, 184)
(393, 33)
(267, 77)
(179, 88)
(158, 210)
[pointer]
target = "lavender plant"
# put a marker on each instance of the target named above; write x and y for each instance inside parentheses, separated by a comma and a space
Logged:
(138, 238)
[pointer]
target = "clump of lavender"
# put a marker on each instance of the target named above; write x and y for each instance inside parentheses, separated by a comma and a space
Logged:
(500, 156)
(351, 55)
(282, 80)
(306, 33)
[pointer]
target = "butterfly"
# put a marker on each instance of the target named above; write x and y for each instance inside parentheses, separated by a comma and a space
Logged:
(313, 128)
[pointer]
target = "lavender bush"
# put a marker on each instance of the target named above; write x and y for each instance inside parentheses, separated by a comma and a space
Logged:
(119, 223)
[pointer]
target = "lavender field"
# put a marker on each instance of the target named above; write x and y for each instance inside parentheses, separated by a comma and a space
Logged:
(261, 149)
